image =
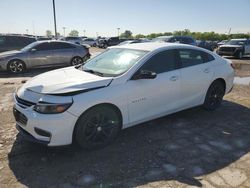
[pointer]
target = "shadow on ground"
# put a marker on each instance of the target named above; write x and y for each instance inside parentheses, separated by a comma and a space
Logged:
(178, 147)
(28, 73)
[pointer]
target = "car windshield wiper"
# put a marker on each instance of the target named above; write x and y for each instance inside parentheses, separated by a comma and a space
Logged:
(93, 72)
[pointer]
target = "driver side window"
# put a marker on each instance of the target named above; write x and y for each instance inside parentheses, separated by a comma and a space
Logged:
(43, 46)
(161, 62)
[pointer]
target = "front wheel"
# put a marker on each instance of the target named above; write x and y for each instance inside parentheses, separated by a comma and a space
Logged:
(97, 127)
(214, 96)
(16, 66)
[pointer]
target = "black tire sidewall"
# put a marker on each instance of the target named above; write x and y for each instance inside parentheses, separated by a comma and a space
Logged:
(71, 62)
(80, 127)
(206, 104)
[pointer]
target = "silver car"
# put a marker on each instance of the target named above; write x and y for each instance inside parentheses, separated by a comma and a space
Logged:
(43, 54)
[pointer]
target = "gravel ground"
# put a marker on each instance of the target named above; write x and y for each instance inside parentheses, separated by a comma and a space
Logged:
(189, 148)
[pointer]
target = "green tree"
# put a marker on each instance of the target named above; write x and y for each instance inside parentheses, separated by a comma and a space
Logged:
(74, 33)
(48, 33)
(138, 36)
(127, 34)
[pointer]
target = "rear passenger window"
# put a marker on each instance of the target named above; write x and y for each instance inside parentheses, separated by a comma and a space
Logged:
(61, 45)
(189, 57)
(207, 57)
(162, 62)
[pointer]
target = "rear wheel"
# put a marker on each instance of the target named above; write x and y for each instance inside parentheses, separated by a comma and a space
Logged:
(16, 66)
(214, 96)
(76, 61)
(97, 127)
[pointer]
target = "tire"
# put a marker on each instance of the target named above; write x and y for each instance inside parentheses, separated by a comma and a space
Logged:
(76, 61)
(105, 46)
(16, 66)
(239, 55)
(214, 96)
(97, 127)
(86, 57)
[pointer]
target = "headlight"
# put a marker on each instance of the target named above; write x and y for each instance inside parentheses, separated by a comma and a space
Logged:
(48, 108)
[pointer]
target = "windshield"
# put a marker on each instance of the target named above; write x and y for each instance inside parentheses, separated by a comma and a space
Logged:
(114, 62)
(236, 42)
(26, 48)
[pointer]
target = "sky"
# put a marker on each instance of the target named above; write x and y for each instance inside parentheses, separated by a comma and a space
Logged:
(103, 17)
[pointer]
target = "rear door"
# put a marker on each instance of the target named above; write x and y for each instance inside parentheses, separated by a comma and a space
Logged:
(196, 76)
(61, 53)
(150, 98)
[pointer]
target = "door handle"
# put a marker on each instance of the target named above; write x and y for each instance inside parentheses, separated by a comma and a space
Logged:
(206, 70)
(173, 78)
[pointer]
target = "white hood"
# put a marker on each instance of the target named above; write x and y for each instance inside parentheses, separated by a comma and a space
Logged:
(64, 81)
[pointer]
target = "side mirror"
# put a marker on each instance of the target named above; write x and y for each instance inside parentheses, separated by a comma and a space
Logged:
(33, 50)
(144, 74)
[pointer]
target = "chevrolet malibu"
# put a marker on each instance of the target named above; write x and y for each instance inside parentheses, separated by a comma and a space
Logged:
(125, 85)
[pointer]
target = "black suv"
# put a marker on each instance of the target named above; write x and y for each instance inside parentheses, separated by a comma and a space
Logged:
(14, 42)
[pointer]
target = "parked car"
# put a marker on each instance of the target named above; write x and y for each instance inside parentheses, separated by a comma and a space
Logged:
(43, 54)
(75, 40)
(222, 42)
(209, 45)
(121, 87)
(112, 41)
(235, 47)
(134, 41)
(14, 42)
(176, 39)
(89, 41)
(44, 38)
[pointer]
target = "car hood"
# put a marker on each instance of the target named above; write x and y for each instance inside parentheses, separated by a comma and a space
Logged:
(63, 81)
(228, 45)
(9, 53)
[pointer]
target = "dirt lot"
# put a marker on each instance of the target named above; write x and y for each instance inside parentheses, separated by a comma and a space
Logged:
(190, 148)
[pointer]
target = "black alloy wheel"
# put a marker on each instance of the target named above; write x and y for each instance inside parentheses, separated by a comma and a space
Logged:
(97, 127)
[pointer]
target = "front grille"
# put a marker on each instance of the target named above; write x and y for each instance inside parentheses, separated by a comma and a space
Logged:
(227, 49)
(23, 103)
(20, 118)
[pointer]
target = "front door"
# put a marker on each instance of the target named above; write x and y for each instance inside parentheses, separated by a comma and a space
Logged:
(151, 98)
(40, 55)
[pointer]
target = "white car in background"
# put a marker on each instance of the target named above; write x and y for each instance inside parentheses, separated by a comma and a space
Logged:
(89, 41)
(121, 87)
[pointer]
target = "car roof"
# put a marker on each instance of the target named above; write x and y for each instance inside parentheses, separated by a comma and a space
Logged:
(151, 46)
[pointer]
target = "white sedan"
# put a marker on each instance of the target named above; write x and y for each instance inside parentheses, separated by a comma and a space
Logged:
(121, 87)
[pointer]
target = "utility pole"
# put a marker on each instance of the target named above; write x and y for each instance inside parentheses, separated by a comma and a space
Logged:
(118, 32)
(64, 31)
(54, 10)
